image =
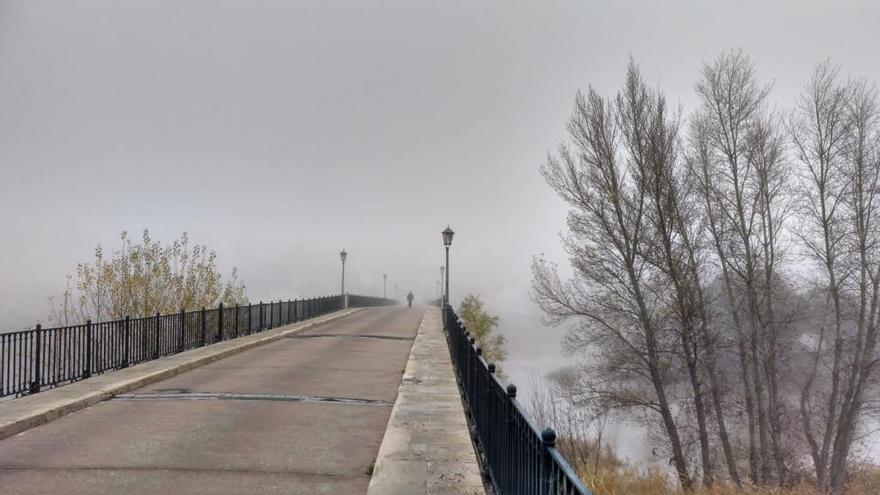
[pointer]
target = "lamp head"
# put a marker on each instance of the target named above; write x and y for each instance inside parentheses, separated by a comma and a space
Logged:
(447, 236)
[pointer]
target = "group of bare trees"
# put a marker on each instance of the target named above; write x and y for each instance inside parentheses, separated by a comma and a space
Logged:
(145, 278)
(726, 264)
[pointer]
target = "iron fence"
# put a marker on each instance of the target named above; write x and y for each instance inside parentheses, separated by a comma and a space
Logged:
(43, 358)
(519, 458)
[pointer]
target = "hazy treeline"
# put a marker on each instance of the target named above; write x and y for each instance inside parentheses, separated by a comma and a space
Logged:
(726, 262)
(142, 279)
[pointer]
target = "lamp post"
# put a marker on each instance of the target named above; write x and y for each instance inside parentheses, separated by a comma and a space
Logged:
(442, 269)
(342, 256)
(384, 279)
(447, 241)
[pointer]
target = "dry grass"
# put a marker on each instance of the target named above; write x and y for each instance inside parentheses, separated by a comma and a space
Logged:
(627, 481)
(610, 475)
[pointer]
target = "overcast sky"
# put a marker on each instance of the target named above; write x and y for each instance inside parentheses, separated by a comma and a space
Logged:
(280, 132)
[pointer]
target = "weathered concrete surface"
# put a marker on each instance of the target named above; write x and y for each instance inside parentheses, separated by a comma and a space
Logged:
(17, 415)
(427, 447)
(244, 443)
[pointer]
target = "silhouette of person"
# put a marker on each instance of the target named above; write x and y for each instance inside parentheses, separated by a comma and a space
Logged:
(409, 299)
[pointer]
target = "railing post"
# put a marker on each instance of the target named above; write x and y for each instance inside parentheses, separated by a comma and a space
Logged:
(204, 326)
(260, 329)
(250, 329)
(271, 313)
(88, 371)
(181, 340)
(38, 361)
(126, 330)
(219, 323)
(294, 311)
(158, 336)
(510, 458)
(548, 438)
(235, 325)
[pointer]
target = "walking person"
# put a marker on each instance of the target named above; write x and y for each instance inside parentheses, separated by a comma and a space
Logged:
(409, 299)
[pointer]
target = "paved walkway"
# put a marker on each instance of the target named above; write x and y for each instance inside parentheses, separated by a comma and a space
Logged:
(303, 414)
(427, 448)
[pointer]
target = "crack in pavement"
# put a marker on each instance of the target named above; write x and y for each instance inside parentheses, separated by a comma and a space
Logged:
(183, 469)
(186, 395)
(312, 336)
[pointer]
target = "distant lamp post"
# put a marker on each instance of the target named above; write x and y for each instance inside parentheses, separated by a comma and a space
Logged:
(447, 241)
(342, 256)
(384, 279)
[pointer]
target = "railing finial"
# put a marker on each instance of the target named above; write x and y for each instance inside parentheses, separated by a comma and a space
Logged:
(548, 436)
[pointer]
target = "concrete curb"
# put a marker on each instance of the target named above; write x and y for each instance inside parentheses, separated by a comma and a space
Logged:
(427, 447)
(18, 415)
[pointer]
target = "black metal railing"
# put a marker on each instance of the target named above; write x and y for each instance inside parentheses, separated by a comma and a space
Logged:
(517, 456)
(42, 358)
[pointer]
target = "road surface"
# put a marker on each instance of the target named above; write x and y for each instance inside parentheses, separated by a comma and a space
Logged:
(305, 414)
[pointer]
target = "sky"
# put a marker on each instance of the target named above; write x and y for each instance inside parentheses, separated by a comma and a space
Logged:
(279, 133)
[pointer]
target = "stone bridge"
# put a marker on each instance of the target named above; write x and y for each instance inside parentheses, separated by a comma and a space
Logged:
(354, 401)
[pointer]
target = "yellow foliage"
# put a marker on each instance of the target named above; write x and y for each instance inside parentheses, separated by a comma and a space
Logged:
(145, 278)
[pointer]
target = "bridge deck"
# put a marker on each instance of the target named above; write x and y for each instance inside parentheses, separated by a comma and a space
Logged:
(268, 420)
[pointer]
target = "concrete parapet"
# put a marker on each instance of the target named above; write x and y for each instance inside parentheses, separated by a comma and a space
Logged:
(427, 447)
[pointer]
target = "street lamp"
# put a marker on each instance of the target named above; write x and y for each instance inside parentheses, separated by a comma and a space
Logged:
(447, 241)
(384, 278)
(342, 256)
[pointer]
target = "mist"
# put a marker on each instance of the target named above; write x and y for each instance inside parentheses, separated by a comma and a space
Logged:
(279, 133)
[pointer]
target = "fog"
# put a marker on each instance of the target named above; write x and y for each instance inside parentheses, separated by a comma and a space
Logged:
(279, 133)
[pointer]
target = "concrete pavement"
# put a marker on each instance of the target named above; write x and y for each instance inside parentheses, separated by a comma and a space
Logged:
(303, 414)
(20, 414)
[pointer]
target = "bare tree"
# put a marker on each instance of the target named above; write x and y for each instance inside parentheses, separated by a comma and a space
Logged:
(737, 157)
(618, 295)
(836, 131)
(862, 170)
(818, 130)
